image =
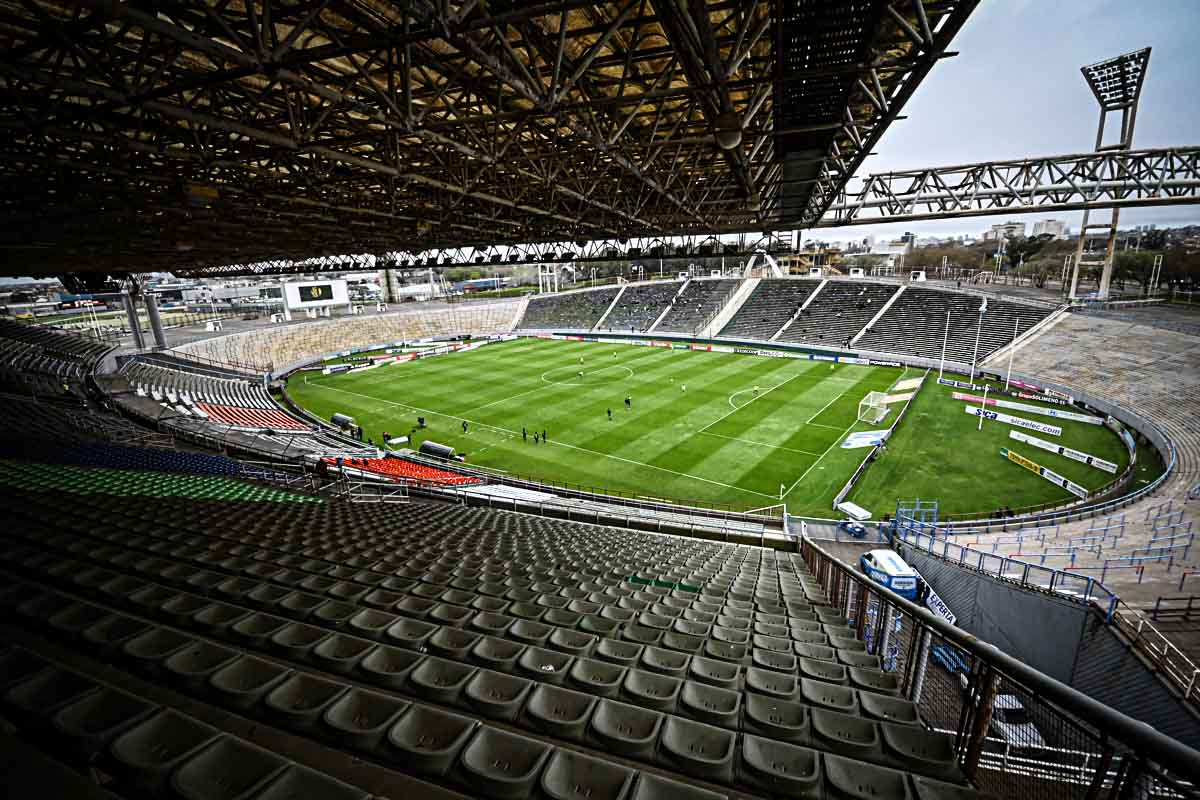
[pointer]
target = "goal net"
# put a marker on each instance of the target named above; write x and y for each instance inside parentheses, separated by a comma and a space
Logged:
(873, 407)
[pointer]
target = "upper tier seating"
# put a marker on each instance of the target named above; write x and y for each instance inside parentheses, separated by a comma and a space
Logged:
(570, 310)
(640, 305)
(483, 651)
(696, 304)
(43, 359)
(241, 402)
(915, 325)
(774, 302)
(838, 313)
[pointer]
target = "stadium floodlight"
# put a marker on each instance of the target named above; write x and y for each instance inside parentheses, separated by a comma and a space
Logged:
(873, 408)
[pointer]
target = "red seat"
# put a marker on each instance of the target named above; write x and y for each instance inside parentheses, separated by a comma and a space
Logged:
(401, 468)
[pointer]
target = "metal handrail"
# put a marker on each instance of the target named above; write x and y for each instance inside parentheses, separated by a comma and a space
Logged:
(1143, 742)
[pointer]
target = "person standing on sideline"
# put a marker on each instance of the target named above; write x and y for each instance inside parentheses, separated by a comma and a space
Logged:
(535, 439)
(610, 415)
(545, 438)
(628, 402)
(464, 427)
(524, 434)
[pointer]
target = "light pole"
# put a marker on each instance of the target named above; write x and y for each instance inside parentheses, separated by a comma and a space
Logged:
(978, 330)
(945, 338)
(1011, 349)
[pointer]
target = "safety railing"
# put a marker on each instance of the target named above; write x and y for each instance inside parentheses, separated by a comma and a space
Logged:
(1016, 732)
(1170, 661)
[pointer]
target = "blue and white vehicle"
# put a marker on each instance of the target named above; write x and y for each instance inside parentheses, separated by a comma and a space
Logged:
(890, 570)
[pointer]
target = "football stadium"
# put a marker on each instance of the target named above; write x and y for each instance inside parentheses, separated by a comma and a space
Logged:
(468, 400)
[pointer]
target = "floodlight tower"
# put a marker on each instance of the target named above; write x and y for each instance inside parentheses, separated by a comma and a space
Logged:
(1117, 85)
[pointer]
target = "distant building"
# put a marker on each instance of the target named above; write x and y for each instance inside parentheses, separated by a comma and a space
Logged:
(1004, 230)
(1056, 228)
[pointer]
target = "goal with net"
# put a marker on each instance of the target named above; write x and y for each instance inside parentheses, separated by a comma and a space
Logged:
(873, 407)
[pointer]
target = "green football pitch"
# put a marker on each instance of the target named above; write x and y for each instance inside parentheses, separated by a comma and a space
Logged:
(705, 427)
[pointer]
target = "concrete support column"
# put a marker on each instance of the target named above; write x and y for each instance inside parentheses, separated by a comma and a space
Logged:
(134, 325)
(160, 338)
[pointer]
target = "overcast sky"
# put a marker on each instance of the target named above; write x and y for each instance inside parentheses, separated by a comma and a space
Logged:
(1015, 90)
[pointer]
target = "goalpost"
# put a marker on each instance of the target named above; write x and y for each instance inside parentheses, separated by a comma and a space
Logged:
(872, 408)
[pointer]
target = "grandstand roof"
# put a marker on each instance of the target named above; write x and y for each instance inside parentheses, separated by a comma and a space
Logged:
(198, 135)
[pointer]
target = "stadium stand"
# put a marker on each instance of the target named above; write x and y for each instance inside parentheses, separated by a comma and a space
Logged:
(570, 310)
(640, 305)
(839, 311)
(115, 456)
(706, 667)
(408, 470)
(696, 304)
(774, 302)
(280, 346)
(915, 325)
(43, 360)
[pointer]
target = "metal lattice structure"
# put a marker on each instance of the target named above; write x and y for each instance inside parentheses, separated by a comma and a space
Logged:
(1106, 179)
(187, 135)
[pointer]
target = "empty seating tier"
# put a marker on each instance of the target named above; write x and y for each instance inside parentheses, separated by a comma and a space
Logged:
(43, 360)
(696, 305)
(839, 311)
(569, 310)
(489, 653)
(773, 303)
(640, 305)
(916, 325)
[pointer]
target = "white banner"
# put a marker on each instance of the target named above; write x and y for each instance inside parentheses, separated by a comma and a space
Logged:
(1048, 474)
(1045, 412)
(1077, 455)
(864, 439)
(1041, 427)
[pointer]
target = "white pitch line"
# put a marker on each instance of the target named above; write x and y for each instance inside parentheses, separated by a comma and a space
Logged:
(762, 444)
(743, 405)
(827, 405)
(822, 425)
(560, 444)
(813, 466)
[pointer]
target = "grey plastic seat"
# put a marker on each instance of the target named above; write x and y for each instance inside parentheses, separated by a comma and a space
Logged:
(769, 682)
(226, 769)
(562, 618)
(640, 634)
(452, 643)
(299, 701)
(854, 658)
(625, 729)
(428, 739)
(846, 734)
(781, 768)
(847, 779)
(17, 665)
(110, 633)
(34, 699)
(529, 632)
(829, 695)
(698, 749)
(334, 613)
(496, 695)
(659, 692)
(598, 678)
(545, 666)
(618, 652)
(301, 604)
(76, 617)
(888, 709)
(440, 680)
(361, 718)
(526, 610)
(847, 643)
(146, 754)
(192, 665)
(574, 776)
(503, 765)
(617, 614)
(598, 625)
(300, 782)
(495, 653)
(388, 666)
(182, 606)
(152, 646)
(410, 634)
(257, 628)
(711, 704)
(560, 712)
(665, 662)
(92, 721)
(713, 672)
(266, 595)
(930, 789)
(381, 599)
(568, 641)
(491, 605)
(818, 651)
(769, 659)
(724, 651)
(655, 787)
(296, 640)
(826, 671)
(809, 637)
(873, 680)
(919, 750)
(447, 614)
(727, 628)
(415, 607)
(341, 653)
(371, 623)
(247, 680)
(491, 624)
(682, 642)
(784, 720)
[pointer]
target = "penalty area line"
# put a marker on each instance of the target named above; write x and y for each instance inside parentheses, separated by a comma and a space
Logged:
(813, 465)
(760, 444)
